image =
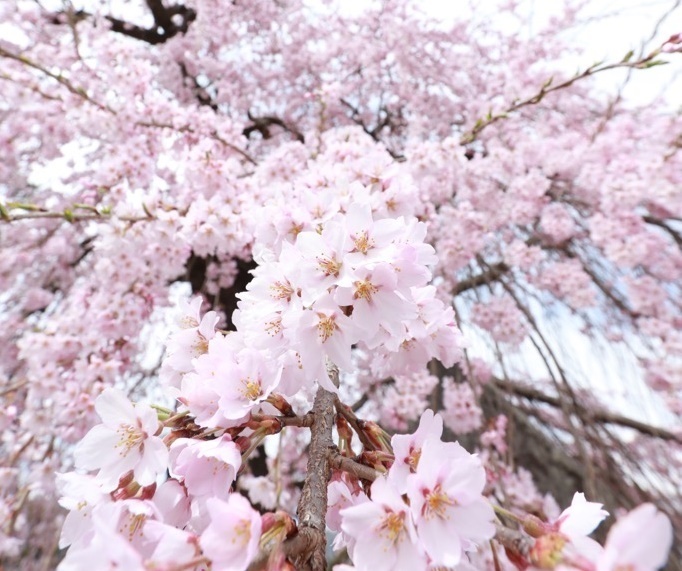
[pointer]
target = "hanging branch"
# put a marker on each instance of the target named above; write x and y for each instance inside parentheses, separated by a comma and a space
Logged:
(643, 62)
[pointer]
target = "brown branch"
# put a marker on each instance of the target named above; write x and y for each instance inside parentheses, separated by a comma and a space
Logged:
(303, 421)
(661, 224)
(339, 462)
(373, 132)
(13, 388)
(514, 540)
(492, 274)
(262, 125)
(307, 548)
(164, 27)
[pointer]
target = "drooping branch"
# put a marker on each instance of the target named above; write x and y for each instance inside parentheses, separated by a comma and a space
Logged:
(627, 62)
(596, 415)
(12, 212)
(493, 273)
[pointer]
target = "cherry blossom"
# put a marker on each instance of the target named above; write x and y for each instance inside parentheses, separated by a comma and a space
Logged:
(126, 440)
(383, 532)
(639, 540)
(231, 539)
(289, 232)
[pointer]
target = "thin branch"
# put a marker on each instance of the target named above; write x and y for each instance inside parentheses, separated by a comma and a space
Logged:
(643, 62)
(493, 273)
(262, 125)
(188, 129)
(91, 213)
(12, 388)
(512, 539)
(597, 415)
(339, 462)
(78, 91)
(661, 224)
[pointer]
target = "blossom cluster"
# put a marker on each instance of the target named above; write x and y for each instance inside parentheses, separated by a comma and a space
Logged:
(129, 515)
(428, 511)
(353, 282)
(147, 152)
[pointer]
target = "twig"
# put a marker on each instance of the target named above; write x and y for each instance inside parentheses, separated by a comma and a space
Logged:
(512, 539)
(643, 62)
(339, 462)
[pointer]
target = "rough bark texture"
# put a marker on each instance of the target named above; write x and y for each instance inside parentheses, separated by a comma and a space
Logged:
(312, 507)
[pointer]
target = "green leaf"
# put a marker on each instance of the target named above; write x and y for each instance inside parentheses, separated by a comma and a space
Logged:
(654, 63)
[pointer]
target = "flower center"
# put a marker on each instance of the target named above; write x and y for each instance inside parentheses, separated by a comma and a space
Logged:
(129, 437)
(437, 502)
(362, 242)
(413, 459)
(134, 525)
(364, 290)
(282, 290)
(392, 527)
(252, 389)
(200, 346)
(242, 533)
(326, 327)
(274, 327)
(329, 266)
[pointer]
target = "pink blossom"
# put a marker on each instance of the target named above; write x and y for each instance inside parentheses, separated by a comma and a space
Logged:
(107, 550)
(207, 467)
(450, 513)
(245, 382)
(80, 494)
(124, 441)
(231, 539)
(639, 541)
(383, 532)
(323, 330)
(376, 305)
(407, 448)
